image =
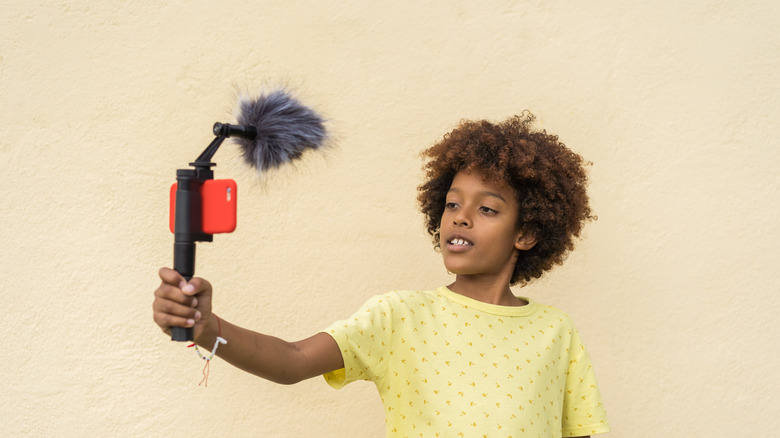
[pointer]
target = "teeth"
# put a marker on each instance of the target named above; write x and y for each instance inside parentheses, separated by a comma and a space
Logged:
(460, 242)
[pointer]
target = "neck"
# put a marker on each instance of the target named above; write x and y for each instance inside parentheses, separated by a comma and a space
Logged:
(488, 290)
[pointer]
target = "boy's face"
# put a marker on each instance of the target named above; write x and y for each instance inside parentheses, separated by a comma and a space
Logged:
(477, 233)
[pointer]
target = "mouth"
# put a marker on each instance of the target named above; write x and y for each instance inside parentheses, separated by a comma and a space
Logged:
(459, 242)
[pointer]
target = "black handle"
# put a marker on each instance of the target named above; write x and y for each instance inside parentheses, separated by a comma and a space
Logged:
(182, 334)
(184, 264)
(187, 230)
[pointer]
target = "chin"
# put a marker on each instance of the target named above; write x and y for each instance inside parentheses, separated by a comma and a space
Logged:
(458, 270)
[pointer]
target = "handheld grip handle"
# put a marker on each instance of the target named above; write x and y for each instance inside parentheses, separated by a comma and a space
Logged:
(182, 334)
(184, 264)
(187, 230)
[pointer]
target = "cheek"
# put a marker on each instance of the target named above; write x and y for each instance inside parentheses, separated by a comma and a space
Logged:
(445, 220)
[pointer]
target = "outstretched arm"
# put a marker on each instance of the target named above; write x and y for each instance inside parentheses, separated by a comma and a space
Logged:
(188, 304)
(272, 358)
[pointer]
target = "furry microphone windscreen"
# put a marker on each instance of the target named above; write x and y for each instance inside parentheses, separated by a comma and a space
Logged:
(285, 129)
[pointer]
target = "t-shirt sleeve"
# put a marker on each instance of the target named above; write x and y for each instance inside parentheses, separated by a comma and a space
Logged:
(583, 411)
(362, 338)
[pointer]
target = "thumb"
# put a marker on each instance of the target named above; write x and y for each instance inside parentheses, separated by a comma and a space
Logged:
(195, 286)
(169, 276)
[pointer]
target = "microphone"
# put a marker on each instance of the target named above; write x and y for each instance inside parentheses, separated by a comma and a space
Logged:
(274, 129)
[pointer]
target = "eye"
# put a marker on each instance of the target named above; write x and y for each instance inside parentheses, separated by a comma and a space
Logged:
(487, 210)
(450, 205)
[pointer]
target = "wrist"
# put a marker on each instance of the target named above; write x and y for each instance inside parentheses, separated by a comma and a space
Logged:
(205, 334)
(211, 329)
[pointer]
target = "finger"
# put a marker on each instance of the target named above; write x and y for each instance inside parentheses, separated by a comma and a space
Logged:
(173, 293)
(167, 321)
(165, 310)
(170, 276)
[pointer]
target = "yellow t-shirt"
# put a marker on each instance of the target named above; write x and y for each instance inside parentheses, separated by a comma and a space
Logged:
(450, 366)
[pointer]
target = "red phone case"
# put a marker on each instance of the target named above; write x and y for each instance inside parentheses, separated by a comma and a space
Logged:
(219, 206)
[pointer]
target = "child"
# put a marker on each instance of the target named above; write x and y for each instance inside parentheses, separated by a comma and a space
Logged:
(503, 204)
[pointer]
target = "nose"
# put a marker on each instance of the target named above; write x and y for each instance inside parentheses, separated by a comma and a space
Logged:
(461, 219)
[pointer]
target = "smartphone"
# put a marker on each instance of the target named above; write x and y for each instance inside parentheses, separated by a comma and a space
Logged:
(219, 206)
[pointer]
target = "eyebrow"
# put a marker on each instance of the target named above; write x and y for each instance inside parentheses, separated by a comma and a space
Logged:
(484, 193)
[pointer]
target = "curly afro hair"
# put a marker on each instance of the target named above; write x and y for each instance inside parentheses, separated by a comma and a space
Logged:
(549, 181)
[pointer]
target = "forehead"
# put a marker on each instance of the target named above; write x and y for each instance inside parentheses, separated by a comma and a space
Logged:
(477, 181)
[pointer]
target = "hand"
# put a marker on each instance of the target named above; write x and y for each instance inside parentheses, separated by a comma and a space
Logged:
(182, 304)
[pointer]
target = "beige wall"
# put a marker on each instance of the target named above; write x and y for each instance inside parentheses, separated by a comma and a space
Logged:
(674, 288)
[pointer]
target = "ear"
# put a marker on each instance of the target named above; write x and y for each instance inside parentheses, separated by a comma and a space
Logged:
(525, 240)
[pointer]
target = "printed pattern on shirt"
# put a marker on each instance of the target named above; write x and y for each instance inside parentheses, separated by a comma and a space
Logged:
(445, 365)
